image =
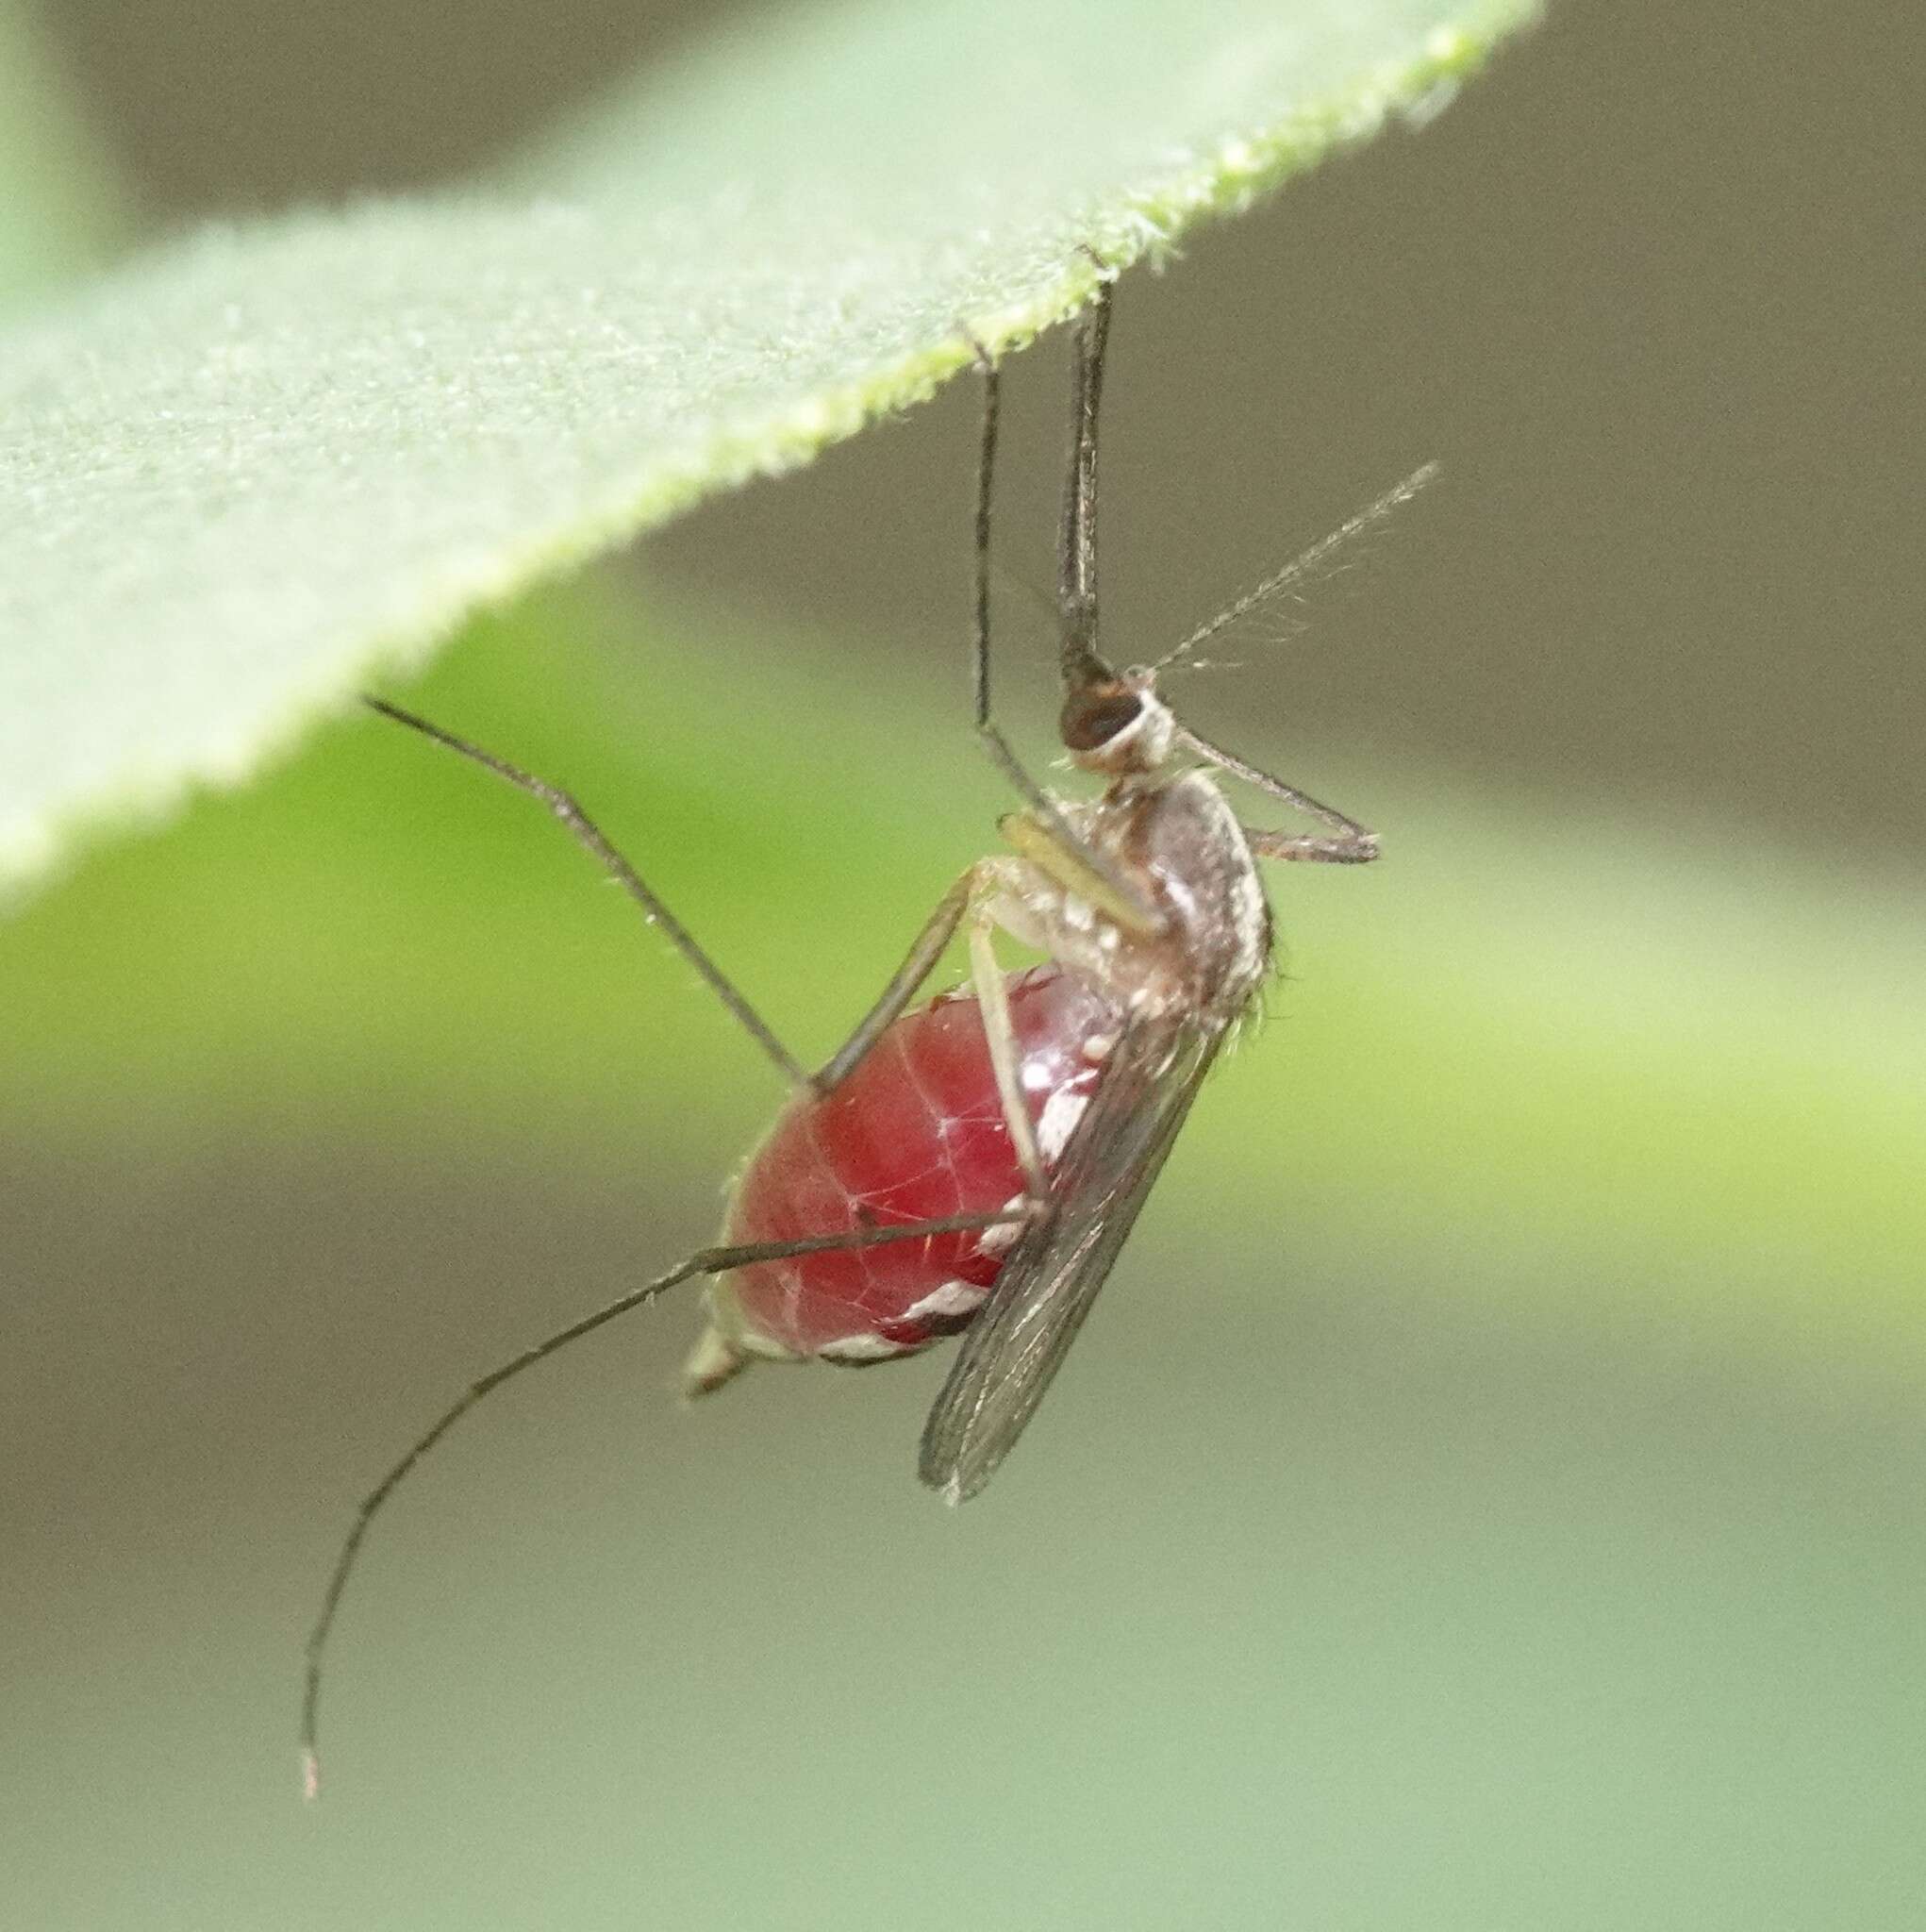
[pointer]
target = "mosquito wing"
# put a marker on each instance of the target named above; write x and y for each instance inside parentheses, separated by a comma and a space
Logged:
(1017, 1343)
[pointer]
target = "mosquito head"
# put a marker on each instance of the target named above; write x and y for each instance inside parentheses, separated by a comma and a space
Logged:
(1118, 725)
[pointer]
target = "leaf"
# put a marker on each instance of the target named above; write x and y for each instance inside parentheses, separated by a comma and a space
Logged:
(246, 470)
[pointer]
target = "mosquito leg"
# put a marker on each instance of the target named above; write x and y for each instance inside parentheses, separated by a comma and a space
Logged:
(972, 897)
(1000, 1035)
(704, 1261)
(589, 834)
(1064, 863)
(1352, 845)
(917, 966)
(1284, 845)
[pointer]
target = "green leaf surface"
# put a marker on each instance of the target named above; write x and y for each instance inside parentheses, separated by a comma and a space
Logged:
(239, 472)
(1539, 1054)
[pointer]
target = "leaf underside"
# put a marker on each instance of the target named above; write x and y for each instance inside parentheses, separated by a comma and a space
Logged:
(246, 470)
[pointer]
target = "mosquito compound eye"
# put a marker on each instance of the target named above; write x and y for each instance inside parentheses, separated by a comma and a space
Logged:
(1090, 720)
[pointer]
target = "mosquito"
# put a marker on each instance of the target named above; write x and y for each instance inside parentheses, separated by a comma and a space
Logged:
(975, 1164)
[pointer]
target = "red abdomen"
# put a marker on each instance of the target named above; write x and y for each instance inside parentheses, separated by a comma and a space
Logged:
(916, 1133)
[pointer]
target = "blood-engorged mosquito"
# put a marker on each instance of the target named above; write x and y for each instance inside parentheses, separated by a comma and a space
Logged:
(975, 1164)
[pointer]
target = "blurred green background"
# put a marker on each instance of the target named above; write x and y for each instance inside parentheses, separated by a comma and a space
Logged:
(1490, 1496)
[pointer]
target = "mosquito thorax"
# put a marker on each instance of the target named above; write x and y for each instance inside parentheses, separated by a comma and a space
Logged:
(1120, 726)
